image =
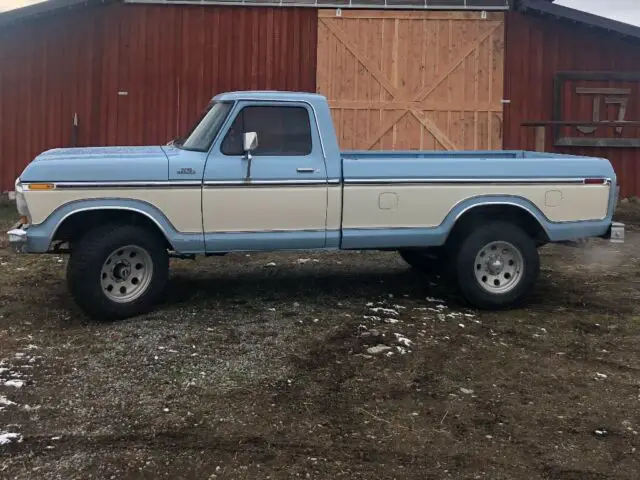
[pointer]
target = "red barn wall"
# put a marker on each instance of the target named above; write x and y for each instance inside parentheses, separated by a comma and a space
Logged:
(536, 49)
(170, 60)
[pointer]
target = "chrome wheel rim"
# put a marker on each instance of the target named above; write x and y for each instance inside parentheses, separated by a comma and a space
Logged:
(499, 267)
(126, 274)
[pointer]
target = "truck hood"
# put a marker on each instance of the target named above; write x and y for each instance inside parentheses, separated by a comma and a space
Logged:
(98, 164)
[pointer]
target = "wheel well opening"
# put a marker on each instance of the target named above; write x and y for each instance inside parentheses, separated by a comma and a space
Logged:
(74, 227)
(485, 213)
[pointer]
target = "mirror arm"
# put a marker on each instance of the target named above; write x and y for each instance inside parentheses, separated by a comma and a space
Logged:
(248, 158)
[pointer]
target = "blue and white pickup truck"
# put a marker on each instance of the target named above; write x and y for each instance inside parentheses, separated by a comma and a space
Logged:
(263, 171)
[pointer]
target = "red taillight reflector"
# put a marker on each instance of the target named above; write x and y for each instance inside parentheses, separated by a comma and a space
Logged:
(595, 181)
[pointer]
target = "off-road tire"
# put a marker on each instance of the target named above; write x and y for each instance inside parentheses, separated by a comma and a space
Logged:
(470, 246)
(85, 265)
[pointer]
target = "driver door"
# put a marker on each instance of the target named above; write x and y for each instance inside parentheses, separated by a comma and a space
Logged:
(278, 199)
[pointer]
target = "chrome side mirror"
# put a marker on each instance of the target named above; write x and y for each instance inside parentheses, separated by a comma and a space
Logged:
(250, 141)
(249, 144)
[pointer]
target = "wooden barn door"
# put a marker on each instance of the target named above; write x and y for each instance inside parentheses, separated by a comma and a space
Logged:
(413, 80)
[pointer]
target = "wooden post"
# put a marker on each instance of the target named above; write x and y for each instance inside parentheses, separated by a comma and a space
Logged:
(540, 138)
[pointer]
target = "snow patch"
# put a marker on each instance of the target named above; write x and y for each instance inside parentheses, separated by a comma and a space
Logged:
(8, 437)
(385, 311)
(434, 300)
(14, 383)
(378, 349)
(5, 402)
(402, 340)
(302, 261)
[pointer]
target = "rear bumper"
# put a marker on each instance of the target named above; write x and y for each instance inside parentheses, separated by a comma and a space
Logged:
(615, 232)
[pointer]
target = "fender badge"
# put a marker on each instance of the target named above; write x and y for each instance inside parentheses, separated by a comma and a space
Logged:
(186, 171)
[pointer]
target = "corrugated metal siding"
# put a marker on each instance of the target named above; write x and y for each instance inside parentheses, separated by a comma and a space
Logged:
(170, 60)
(536, 49)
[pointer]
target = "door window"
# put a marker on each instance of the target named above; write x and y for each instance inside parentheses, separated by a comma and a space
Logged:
(282, 131)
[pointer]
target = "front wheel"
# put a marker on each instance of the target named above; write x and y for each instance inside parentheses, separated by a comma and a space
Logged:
(118, 271)
(497, 266)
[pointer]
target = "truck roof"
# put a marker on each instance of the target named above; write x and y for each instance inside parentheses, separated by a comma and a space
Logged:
(269, 95)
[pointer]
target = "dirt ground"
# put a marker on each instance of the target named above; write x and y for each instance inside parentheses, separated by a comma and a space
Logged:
(257, 366)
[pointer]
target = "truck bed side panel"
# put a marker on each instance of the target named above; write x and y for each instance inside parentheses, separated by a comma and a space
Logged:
(413, 199)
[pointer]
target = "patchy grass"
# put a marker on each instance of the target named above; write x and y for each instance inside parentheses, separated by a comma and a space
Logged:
(252, 370)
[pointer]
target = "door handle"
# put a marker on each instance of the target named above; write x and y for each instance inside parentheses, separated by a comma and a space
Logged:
(305, 170)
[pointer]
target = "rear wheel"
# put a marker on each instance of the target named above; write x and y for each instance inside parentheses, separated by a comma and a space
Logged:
(118, 271)
(497, 266)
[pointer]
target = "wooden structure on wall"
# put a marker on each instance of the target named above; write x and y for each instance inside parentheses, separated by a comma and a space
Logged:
(400, 80)
(552, 68)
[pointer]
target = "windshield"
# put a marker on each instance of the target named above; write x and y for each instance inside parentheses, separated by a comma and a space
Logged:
(205, 130)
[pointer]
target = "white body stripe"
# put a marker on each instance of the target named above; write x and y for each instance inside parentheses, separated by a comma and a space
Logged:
(428, 205)
(182, 207)
(243, 209)
(316, 207)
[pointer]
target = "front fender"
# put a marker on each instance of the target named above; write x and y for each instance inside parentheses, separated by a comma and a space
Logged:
(40, 236)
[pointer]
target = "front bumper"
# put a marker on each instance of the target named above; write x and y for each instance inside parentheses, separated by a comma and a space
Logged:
(18, 238)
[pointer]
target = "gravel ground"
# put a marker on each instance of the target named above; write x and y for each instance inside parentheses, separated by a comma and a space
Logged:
(325, 366)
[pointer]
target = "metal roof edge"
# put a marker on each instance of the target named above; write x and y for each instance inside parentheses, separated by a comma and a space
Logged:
(52, 6)
(43, 8)
(546, 7)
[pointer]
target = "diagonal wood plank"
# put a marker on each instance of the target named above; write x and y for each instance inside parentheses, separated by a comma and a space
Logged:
(432, 128)
(388, 125)
(449, 69)
(363, 59)
(428, 90)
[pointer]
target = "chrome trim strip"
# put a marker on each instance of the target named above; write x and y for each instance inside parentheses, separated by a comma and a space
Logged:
(275, 230)
(186, 184)
(269, 183)
(116, 185)
(465, 181)
(309, 181)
